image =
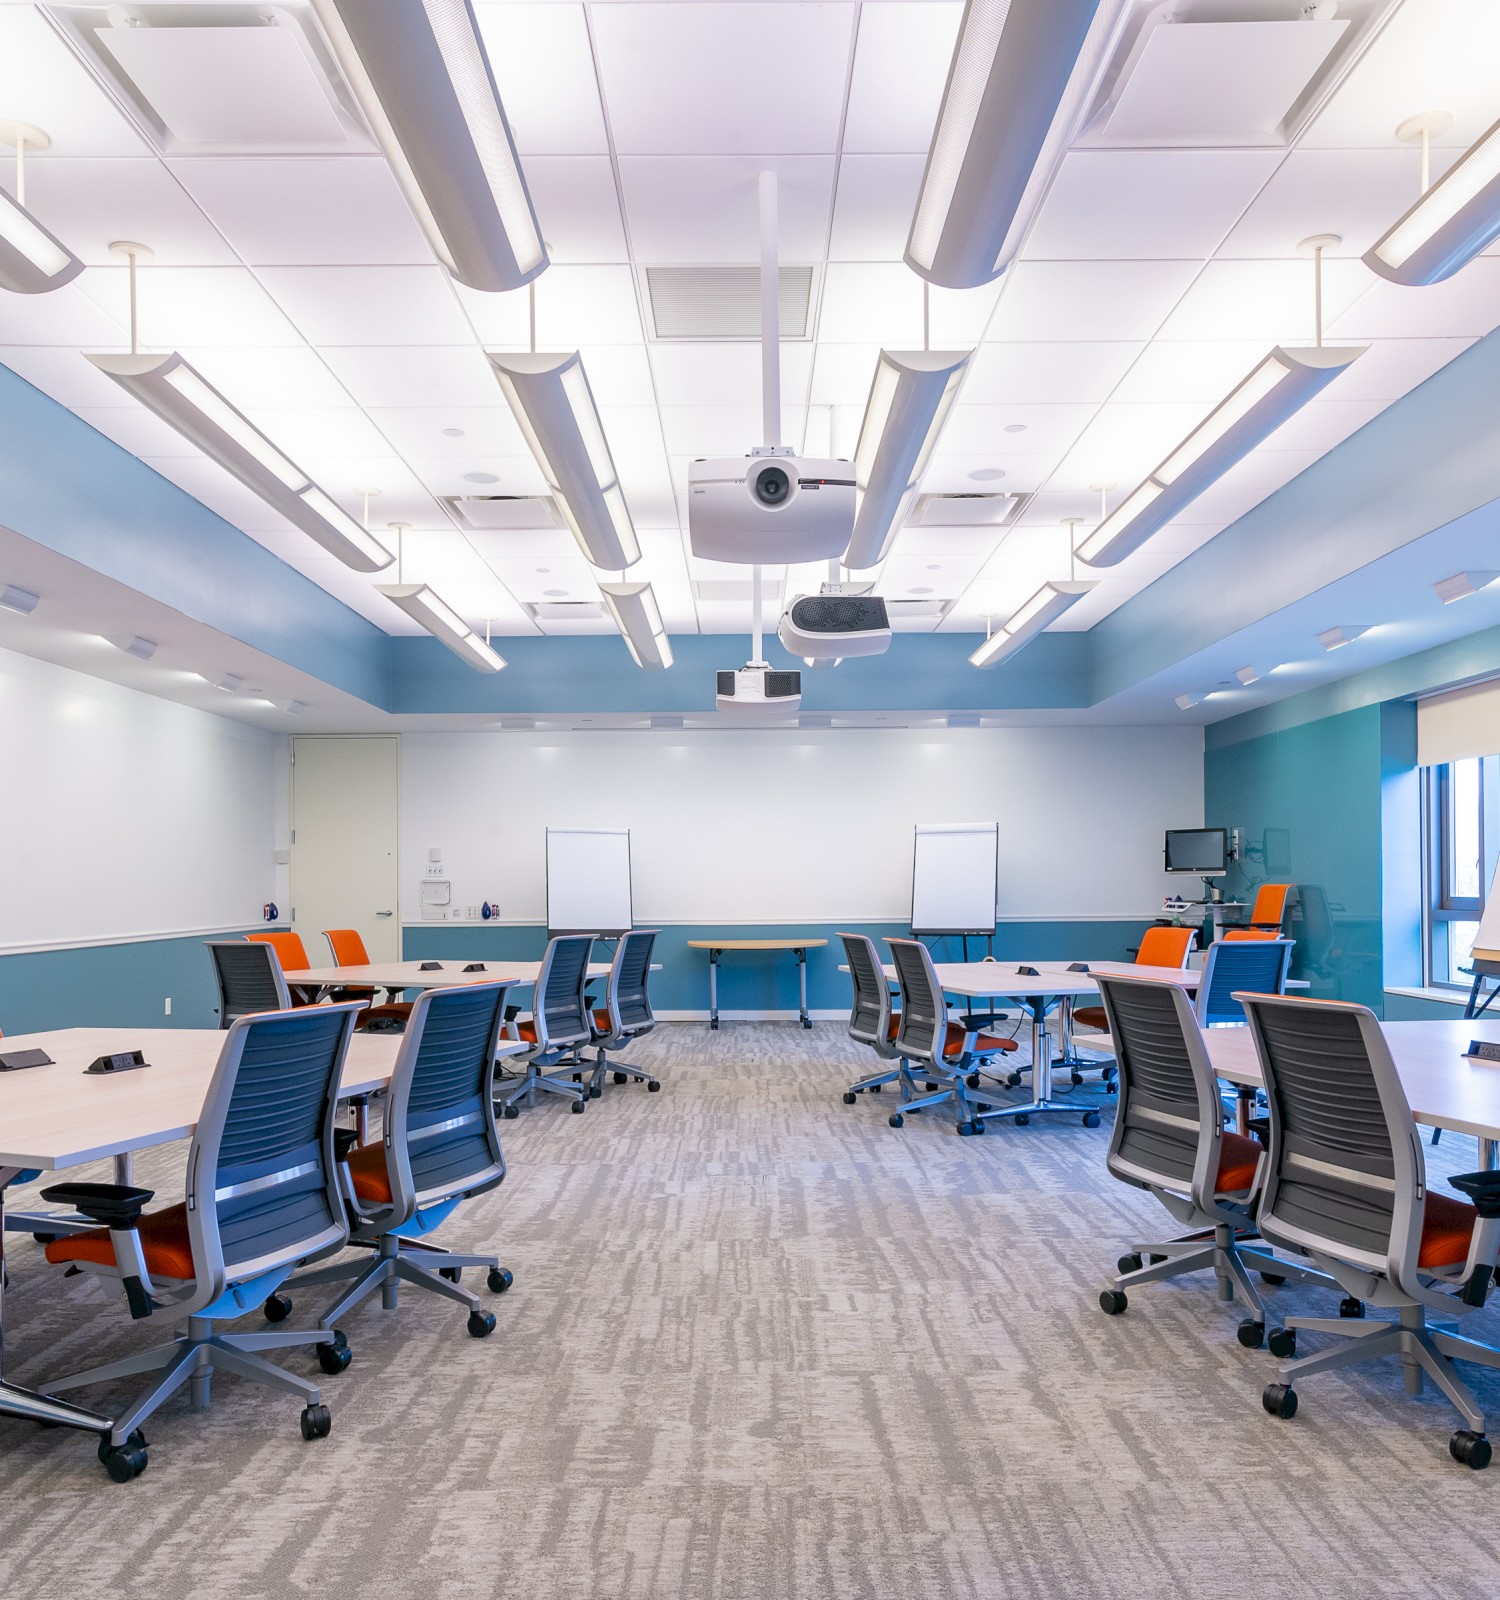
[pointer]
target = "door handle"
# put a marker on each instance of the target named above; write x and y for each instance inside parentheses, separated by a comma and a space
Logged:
(385, 913)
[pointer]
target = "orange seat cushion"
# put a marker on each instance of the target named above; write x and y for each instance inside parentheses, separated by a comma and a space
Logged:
(984, 1043)
(527, 1031)
(1238, 1159)
(1091, 1016)
(893, 1027)
(164, 1243)
(1447, 1228)
(601, 1021)
(367, 1169)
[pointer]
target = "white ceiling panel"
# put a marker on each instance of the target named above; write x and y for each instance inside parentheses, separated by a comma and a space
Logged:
(305, 210)
(577, 208)
(1322, 424)
(450, 431)
(1021, 472)
(959, 318)
(728, 77)
(137, 430)
(451, 475)
(866, 302)
(873, 209)
(901, 63)
(349, 305)
(536, 544)
(842, 374)
(722, 430)
(619, 374)
(275, 376)
(1467, 305)
(1148, 205)
(544, 68)
(634, 432)
(43, 83)
(414, 375)
(1270, 300)
(224, 494)
(1142, 434)
(1014, 429)
(1391, 368)
(584, 305)
(703, 209)
(90, 204)
(191, 305)
(1088, 300)
(62, 373)
(922, 575)
(727, 374)
(66, 317)
(324, 431)
(537, 579)
(1189, 371)
(1047, 374)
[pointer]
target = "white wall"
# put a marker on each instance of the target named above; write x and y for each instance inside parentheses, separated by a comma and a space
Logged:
(804, 826)
(123, 815)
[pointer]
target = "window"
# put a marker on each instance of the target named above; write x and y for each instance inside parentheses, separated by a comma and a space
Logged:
(1461, 827)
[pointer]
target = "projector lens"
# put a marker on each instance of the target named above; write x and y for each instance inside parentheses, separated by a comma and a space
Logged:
(772, 486)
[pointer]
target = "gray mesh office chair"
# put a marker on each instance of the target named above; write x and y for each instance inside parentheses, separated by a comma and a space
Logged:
(946, 1051)
(872, 1021)
(557, 1029)
(1169, 1138)
(626, 1013)
(262, 1198)
(249, 977)
(438, 1147)
(1347, 1185)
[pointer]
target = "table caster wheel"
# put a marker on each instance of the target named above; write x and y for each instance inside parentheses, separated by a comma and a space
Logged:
(875, 1088)
(452, 1274)
(1013, 1081)
(1130, 1262)
(578, 1107)
(124, 1461)
(1350, 1307)
(335, 1357)
(621, 1077)
(1280, 1399)
(277, 1308)
(1472, 1449)
(1091, 1119)
(896, 1120)
(481, 1324)
(972, 1081)
(1282, 1343)
(317, 1422)
(44, 1238)
(931, 1088)
(653, 1086)
(1251, 1334)
(850, 1097)
(1075, 1077)
(1113, 1301)
(500, 1279)
(1021, 1121)
(1272, 1278)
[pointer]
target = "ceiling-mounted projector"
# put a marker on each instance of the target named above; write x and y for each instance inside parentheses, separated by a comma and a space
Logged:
(757, 689)
(770, 507)
(842, 620)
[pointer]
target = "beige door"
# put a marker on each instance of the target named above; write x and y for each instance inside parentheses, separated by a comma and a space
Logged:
(345, 828)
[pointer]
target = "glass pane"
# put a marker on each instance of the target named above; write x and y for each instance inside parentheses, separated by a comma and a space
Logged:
(1460, 942)
(1464, 868)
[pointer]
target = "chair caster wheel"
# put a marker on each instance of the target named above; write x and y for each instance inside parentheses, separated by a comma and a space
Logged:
(653, 1086)
(1272, 1278)
(500, 1279)
(510, 1113)
(896, 1120)
(452, 1274)
(1282, 1343)
(1251, 1334)
(1130, 1262)
(578, 1107)
(1091, 1119)
(1350, 1307)
(1013, 1081)
(44, 1238)
(596, 1090)
(1280, 1399)
(126, 1461)
(1472, 1449)
(931, 1088)
(972, 1081)
(850, 1097)
(1075, 1077)
(277, 1308)
(1113, 1301)
(577, 1077)
(1021, 1121)
(481, 1324)
(317, 1422)
(971, 1127)
(875, 1088)
(335, 1357)
(1111, 1087)
(620, 1077)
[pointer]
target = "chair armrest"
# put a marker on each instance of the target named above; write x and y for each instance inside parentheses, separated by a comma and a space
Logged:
(1483, 1188)
(1261, 1128)
(344, 1140)
(115, 1205)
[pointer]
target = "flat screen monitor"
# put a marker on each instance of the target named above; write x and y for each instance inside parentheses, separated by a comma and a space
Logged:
(1204, 852)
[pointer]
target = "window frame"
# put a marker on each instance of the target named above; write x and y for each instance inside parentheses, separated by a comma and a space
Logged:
(1441, 908)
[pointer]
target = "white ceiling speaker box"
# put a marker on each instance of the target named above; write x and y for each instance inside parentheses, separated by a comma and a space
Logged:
(835, 624)
(768, 508)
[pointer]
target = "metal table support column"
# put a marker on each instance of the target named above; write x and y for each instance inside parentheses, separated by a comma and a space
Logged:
(713, 988)
(802, 984)
(1041, 1073)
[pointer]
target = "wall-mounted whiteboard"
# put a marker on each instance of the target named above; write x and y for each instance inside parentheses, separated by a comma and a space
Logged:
(588, 880)
(954, 874)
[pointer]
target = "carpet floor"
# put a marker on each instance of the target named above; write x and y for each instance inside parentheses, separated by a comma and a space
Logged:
(762, 1346)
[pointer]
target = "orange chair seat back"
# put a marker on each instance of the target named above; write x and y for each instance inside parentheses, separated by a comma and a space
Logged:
(347, 946)
(1165, 947)
(288, 948)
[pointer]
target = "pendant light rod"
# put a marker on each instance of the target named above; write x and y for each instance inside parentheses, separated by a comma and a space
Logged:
(132, 255)
(1073, 524)
(399, 529)
(21, 167)
(531, 292)
(770, 317)
(1314, 247)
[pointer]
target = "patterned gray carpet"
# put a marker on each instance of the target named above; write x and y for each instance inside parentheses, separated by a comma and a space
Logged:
(762, 1346)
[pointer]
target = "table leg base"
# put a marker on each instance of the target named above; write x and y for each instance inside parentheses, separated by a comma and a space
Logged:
(1036, 1107)
(30, 1406)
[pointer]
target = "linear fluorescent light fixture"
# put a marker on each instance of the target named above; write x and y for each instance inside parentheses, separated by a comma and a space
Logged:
(420, 73)
(1461, 585)
(21, 601)
(638, 617)
(1449, 225)
(141, 649)
(180, 395)
(443, 623)
(554, 405)
(1039, 612)
(1022, 76)
(1246, 676)
(1186, 702)
(1274, 391)
(1337, 638)
(909, 402)
(32, 261)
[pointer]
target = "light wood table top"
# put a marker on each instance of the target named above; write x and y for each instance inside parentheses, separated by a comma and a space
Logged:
(756, 944)
(409, 974)
(1444, 1089)
(999, 979)
(58, 1116)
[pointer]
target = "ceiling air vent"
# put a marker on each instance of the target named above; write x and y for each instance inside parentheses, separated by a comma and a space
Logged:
(966, 510)
(724, 302)
(917, 610)
(486, 512)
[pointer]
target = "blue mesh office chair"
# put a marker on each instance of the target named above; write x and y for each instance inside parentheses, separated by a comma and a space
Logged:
(626, 1013)
(558, 1028)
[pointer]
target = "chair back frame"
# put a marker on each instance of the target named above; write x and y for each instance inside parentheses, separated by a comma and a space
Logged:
(559, 1011)
(248, 973)
(923, 1029)
(627, 1000)
(351, 955)
(870, 1015)
(1232, 965)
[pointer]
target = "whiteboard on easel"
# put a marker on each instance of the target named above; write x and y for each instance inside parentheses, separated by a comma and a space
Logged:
(1487, 940)
(588, 881)
(955, 871)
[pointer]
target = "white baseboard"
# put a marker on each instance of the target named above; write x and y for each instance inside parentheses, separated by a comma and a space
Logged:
(841, 1015)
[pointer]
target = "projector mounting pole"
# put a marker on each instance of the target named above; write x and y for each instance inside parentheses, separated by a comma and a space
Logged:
(770, 372)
